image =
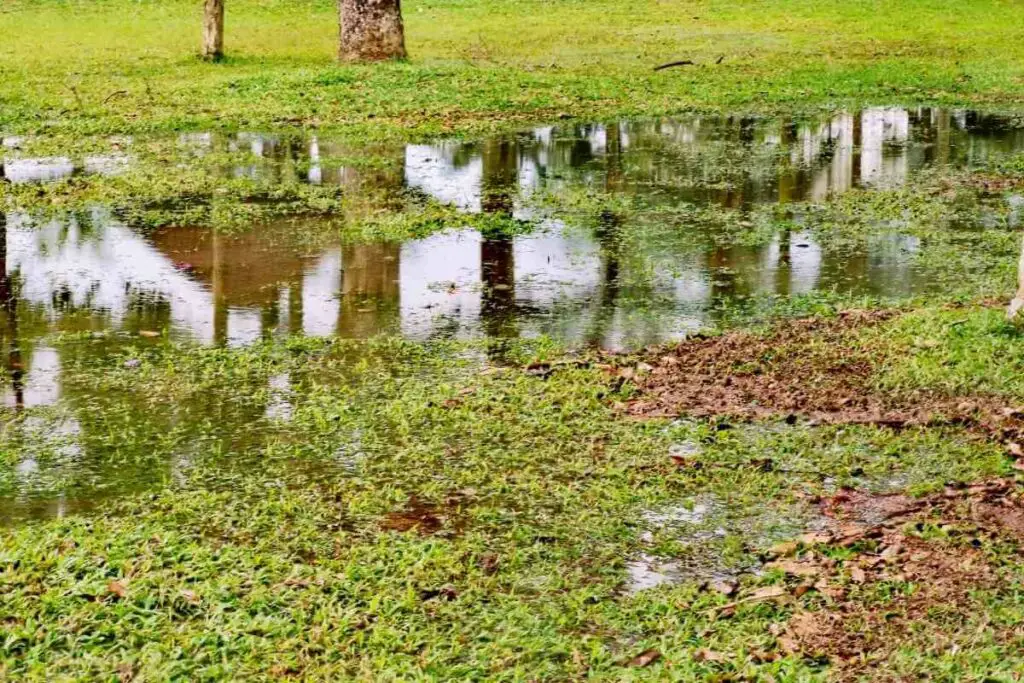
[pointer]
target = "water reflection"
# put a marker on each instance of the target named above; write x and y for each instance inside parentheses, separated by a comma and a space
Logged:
(570, 282)
(578, 281)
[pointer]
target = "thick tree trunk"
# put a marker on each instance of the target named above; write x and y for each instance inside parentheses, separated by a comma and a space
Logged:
(371, 30)
(213, 29)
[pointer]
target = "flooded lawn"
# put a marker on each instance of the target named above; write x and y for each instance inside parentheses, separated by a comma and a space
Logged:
(579, 423)
(578, 280)
(624, 234)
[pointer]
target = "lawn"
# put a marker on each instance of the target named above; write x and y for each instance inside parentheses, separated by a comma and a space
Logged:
(115, 67)
(821, 483)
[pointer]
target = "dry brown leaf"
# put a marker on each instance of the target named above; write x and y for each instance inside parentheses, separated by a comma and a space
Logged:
(724, 587)
(117, 588)
(816, 538)
(644, 658)
(190, 597)
(890, 553)
(706, 655)
(857, 575)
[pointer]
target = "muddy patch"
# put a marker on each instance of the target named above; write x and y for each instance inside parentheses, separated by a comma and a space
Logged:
(820, 369)
(898, 586)
(427, 518)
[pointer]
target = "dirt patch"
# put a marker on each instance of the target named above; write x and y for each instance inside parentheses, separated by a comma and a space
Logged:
(417, 515)
(818, 368)
(430, 519)
(932, 583)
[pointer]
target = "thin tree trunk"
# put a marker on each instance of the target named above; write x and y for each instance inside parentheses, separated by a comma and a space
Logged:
(1017, 303)
(371, 30)
(213, 29)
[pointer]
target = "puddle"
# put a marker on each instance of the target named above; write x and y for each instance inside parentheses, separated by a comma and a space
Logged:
(568, 279)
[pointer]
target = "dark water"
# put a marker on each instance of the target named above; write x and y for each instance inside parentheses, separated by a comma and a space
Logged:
(570, 279)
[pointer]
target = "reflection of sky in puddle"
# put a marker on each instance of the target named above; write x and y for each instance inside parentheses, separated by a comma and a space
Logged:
(92, 272)
(561, 281)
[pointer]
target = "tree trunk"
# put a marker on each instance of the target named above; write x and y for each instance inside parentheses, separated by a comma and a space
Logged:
(213, 29)
(371, 30)
(1017, 303)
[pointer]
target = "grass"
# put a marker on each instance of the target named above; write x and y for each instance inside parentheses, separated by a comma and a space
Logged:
(116, 66)
(421, 514)
(331, 509)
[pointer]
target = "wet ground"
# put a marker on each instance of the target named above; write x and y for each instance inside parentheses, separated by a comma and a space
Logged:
(579, 281)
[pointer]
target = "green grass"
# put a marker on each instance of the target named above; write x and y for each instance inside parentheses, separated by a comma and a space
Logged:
(222, 526)
(267, 550)
(117, 66)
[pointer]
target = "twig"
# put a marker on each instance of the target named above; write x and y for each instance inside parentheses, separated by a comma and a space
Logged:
(720, 58)
(684, 62)
(113, 95)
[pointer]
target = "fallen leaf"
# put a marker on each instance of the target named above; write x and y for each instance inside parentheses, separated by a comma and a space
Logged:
(857, 575)
(816, 538)
(190, 597)
(725, 611)
(117, 588)
(850, 534)
(724, 587)
(763, 656)
(644, 658)
(890, 553)
(706, 655)
(685, 463)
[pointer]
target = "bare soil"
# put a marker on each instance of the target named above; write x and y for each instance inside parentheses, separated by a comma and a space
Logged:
(816, 368)
(933, 584)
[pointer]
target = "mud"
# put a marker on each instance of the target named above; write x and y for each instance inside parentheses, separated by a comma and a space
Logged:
(857, 632)
(817, 369)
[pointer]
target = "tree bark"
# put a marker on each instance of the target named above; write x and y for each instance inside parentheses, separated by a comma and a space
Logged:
(371, 30)
(213, 29)
(1017, 303)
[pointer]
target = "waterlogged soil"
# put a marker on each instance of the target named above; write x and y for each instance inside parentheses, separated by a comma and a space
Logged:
(435, 434)
(824, 370)
(898, 541)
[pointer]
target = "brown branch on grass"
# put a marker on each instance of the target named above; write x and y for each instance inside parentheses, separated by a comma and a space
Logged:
(113, 95)
(684, 62)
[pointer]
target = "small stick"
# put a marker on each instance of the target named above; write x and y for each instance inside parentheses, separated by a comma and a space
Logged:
(113, 95)
(684, 62)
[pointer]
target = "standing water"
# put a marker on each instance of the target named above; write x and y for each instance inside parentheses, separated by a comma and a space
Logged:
(579, 274)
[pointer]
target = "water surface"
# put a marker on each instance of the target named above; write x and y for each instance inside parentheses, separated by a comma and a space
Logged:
(576, 278)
